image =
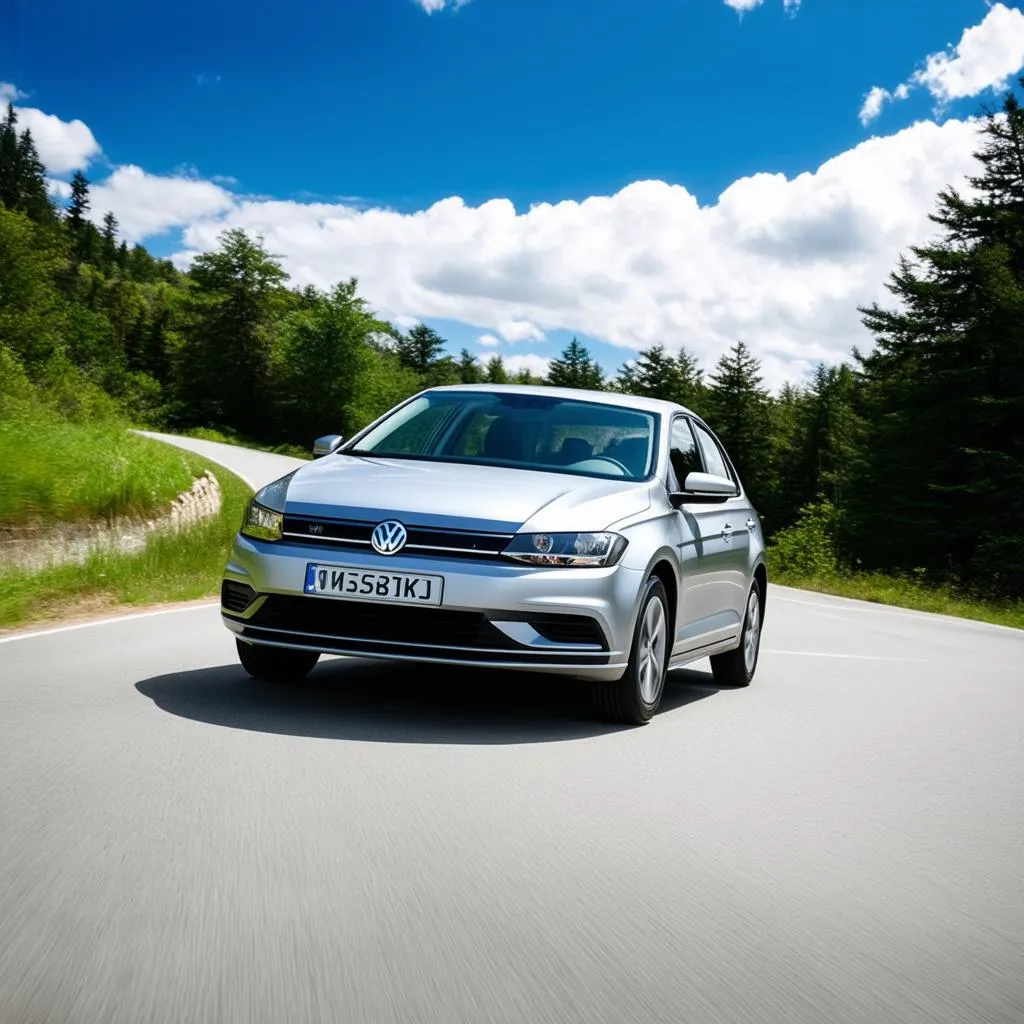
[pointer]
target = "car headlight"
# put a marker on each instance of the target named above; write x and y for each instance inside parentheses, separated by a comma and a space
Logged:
(567, 549)
(264, 515)
(262, 523)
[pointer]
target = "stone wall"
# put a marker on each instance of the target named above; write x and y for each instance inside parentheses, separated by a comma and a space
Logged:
(38, 547)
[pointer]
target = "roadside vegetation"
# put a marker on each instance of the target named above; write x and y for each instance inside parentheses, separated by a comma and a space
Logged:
(806, 555)
(172, 567)
(897, 475)
(67, 456)
(60, 472)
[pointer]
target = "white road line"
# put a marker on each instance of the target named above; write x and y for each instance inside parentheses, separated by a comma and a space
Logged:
(850, 604)
(107, 622)
(855, 657)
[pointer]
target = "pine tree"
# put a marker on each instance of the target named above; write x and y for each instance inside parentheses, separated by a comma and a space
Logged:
(494, 371)
(657, 374)
(78, 204)
(109, 248)
(85, 239)
(831, 433)
(10, 175)
(419, 349)
(943, 488)
(34, 196)
(470, 371)
(575, 369)
(738, 411)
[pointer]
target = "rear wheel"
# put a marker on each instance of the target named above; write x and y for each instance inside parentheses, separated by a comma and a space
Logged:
(275, 663)
(737, 667)
(635, 697)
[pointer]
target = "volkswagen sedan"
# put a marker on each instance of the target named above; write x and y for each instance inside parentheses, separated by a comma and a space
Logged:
(580, 533)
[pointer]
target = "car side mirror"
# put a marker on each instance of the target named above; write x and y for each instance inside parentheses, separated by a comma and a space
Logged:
(703, 489)
(326, 445)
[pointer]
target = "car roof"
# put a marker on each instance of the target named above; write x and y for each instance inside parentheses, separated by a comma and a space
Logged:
(576, 394)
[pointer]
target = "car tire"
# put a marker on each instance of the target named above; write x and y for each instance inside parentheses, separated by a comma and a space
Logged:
(634, 698)
(279, 664)
(736, 668)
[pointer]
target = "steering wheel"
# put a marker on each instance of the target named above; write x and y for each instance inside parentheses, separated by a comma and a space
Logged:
(608, 458)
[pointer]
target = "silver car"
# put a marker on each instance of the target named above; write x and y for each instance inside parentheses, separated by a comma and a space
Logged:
(582, 533)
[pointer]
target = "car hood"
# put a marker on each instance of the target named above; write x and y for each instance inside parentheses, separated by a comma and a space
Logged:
(460, 496)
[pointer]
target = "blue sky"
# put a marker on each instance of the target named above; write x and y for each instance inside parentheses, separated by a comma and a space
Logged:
(379, 105)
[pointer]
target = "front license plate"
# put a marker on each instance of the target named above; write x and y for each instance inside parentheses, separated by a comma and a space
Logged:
(361, 585)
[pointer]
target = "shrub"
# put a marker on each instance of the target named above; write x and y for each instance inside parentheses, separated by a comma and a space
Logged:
(807, 549)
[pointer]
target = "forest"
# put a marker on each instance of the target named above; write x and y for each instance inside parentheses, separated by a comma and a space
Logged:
(907, 459)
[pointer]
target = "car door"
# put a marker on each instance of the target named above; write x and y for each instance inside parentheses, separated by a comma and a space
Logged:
(701, 616)
(729, 532)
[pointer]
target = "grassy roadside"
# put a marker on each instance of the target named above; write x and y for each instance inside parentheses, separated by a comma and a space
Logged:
(902, 592)
(61, 472)
(178, 567)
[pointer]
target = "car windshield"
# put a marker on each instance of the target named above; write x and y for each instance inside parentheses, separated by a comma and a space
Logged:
(523, 431)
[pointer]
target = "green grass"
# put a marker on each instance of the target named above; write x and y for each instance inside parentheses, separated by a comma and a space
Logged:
(907, 592)
(60, 472)
(208, 434)
(178, 567)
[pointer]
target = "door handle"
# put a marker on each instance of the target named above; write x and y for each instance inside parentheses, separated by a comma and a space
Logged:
(750, 524)
(727, 530)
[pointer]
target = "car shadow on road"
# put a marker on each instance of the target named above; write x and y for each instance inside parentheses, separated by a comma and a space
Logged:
(383, 703)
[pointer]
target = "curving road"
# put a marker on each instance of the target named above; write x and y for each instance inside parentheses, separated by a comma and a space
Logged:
(841, 842)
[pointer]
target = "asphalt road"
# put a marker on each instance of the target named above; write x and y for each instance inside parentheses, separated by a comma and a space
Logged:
(843, 841)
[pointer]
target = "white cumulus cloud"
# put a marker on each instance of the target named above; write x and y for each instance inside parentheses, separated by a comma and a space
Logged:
(149, 204)
(520, 330)
(488, 340)
(63, 146)
(877, 98)
(987, 55)
(985, 58)
(781, 263)
(537, 365)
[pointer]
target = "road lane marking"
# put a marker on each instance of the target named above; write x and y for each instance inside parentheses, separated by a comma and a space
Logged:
(856, 657)
(107, 622)
(851, 604)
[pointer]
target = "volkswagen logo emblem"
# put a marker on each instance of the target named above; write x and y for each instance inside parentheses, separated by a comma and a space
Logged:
(389, 537)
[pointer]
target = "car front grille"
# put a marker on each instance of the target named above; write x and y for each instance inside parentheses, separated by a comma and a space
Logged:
(355, 534)
(366, 620)
(356, 627)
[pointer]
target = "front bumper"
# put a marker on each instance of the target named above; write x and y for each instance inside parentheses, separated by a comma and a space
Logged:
(576, 622)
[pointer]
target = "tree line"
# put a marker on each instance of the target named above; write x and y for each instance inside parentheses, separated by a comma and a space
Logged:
(907, 458)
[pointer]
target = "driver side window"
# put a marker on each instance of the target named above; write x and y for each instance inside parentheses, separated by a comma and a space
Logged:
(684, 456)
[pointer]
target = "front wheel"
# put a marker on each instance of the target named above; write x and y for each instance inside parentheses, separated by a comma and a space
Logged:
(737, 667)
(275, 663)
(635, 697)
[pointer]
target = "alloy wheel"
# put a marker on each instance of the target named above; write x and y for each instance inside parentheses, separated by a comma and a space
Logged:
(651, 654)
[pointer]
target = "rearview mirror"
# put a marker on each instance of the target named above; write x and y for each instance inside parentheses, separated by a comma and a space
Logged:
(704, 488)
(326, 445)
